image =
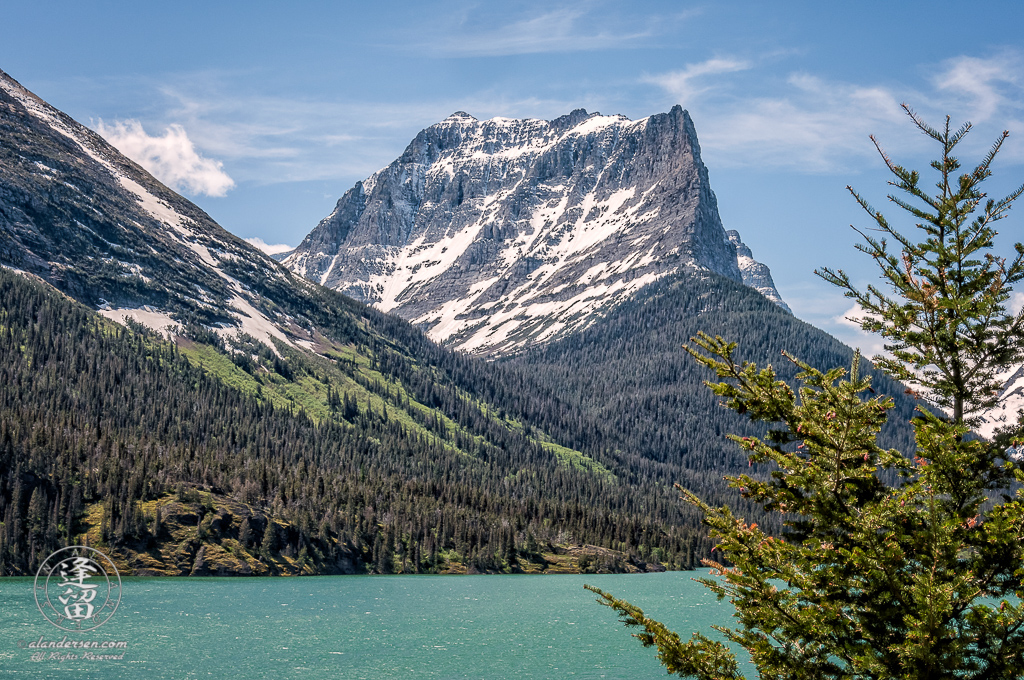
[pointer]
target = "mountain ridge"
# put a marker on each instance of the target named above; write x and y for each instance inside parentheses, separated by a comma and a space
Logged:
(104, 236)
(494, 235)
(391, 474)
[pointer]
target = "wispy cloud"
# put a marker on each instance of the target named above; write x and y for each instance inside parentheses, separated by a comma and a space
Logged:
(269, 139)
(809, 124)
(744, 118)
(269, 248)
(817, 126)
(171, 157)
(984, 86)
(567, 29)
(689, 82)
(812, 124)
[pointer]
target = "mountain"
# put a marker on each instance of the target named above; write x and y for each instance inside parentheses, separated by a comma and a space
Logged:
(499, 234)
(82, 217)
(502, 235)
(239, 419)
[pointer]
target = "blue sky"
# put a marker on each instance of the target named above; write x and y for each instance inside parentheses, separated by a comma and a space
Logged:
(264, 114)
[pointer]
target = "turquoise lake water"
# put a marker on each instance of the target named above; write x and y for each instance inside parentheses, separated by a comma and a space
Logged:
(365, 627)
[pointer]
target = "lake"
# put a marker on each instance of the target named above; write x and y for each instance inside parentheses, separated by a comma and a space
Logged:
(365, 627)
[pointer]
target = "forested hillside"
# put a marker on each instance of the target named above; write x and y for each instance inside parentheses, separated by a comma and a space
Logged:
(391, 454)
(636, 393)
(271, 425)
(625, 391)
(184, 458)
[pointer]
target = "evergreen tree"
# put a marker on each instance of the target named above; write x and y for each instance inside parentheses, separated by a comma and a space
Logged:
(245, 533)
(948, 329)
(508, 553)
(269, 543)
(532, 547)
(892, 565)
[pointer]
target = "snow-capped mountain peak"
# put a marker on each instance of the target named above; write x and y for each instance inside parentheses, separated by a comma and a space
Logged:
(502, 233)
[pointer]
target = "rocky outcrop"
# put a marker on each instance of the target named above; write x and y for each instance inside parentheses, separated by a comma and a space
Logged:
(755, 275)
(495, 235)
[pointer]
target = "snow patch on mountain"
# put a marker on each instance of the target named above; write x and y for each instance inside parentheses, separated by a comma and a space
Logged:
(1011, 402)
(211, 249)
(497, 234)
(147, 316)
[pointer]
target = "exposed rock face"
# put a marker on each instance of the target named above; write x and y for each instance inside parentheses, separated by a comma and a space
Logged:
(498, 234)
(89, 221)
(755, 274)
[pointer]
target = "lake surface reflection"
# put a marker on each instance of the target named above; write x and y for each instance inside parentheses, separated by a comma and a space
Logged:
(373, 627)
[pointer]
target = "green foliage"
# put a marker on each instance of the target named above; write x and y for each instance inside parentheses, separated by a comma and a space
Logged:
(700, 657)
(891, 565)
(948, 329)
(570, 458)
(92, 413)
(623, 392)
(268, 544)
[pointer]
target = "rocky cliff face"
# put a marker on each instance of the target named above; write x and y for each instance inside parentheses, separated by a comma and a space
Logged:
(755, 275)
(498, 234)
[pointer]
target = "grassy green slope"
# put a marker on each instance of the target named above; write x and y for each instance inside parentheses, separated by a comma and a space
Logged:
(101, 426)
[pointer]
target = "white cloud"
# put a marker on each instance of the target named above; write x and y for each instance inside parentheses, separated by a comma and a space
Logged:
(986, 86)
(171, 157)
(273, 139)
(821, 307)
(557, 30)
(817, 127)
(1015, 303)
(849, 331)
(268, 248)
(682, 84)
(812, 124)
